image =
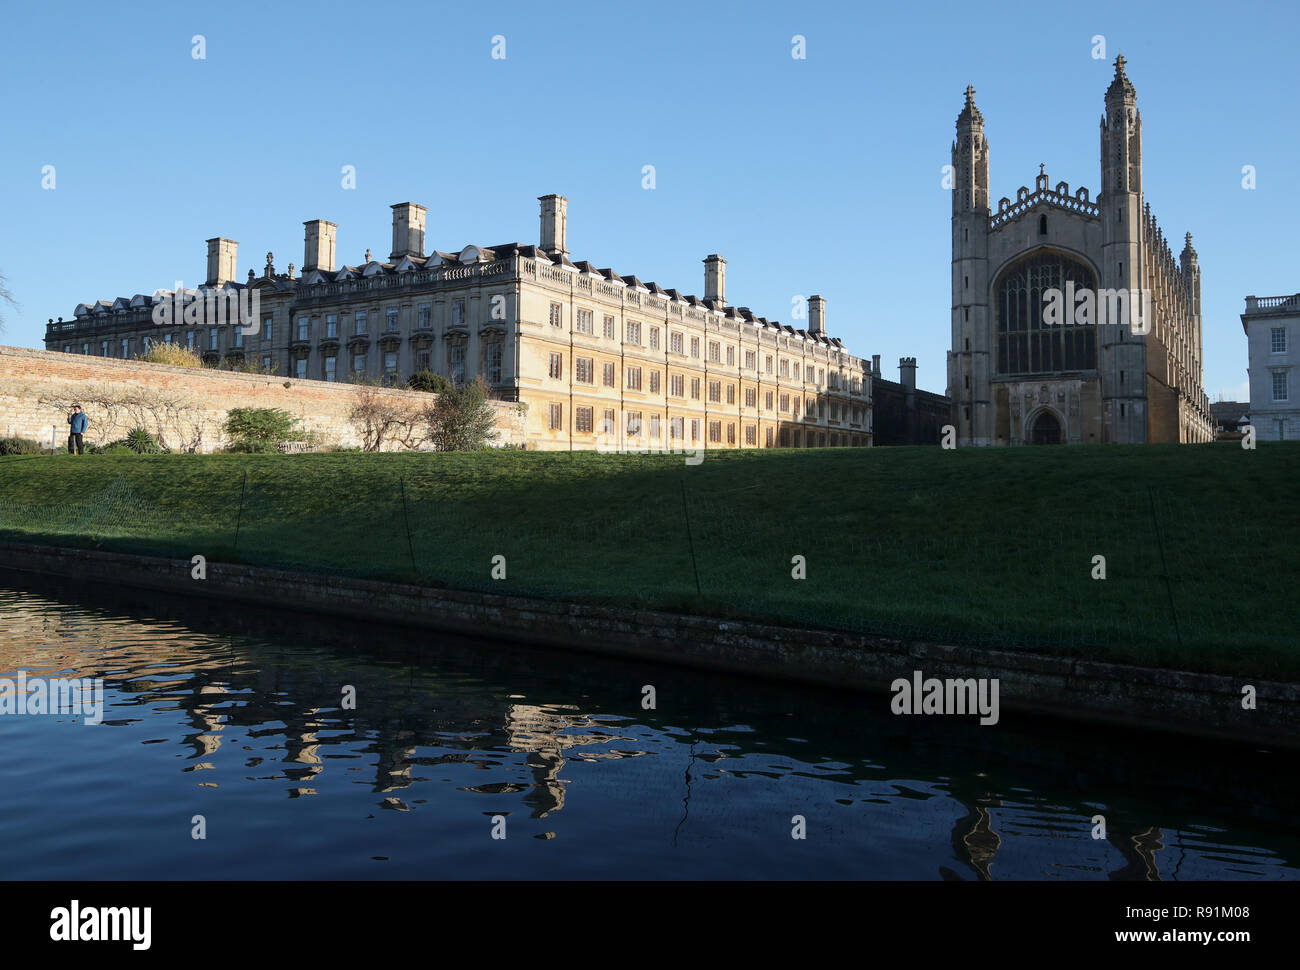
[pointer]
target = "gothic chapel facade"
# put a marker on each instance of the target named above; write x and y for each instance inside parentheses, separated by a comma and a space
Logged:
(1016, 375)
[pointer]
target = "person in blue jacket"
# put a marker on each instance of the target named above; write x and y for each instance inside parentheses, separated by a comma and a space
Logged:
(77, 422)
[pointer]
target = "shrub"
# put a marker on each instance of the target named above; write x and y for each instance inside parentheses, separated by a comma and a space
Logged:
(249, 366)
(119, 447)
(174, 354)
(141, 442)
(427, 381)
(259, 429)
(382, 418)
(245, 446)
(20, 446)
(462, 418)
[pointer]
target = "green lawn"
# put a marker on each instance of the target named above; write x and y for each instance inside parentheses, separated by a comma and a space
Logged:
(973, 546)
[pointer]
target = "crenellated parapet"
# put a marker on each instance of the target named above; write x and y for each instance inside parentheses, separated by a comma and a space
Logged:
(1058, 196)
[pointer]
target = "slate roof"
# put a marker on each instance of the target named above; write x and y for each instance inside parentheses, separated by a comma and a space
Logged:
(436, 258)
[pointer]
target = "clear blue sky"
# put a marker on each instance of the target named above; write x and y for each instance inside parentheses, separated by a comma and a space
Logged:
(810, 176)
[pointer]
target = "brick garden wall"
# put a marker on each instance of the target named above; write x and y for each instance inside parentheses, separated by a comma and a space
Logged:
(32, 382)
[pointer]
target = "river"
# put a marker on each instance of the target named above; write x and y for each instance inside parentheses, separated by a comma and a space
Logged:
(306, 747)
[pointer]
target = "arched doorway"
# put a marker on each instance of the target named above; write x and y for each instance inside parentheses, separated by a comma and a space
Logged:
(1046, 429)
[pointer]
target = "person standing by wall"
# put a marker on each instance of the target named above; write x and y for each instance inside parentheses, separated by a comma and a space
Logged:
(77, 422)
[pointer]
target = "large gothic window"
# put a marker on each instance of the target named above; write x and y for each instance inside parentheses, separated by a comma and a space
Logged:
(1025, 344)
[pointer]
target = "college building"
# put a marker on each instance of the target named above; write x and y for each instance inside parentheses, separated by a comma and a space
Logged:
(1123, 363)
(600, 359)
(902, 414)
(1272, 325)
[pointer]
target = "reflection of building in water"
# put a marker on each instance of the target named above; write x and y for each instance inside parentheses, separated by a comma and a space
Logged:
(535, 731)
(304, 747)
(220, 691)
(1139, 853)
(541, 732)
(208, 741)
(973, 840)
(394, 762)
(212, 687)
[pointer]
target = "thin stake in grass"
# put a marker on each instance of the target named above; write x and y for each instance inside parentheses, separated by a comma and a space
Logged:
(686, 514)
(239, 516)
(1164, 568)
(406, 518)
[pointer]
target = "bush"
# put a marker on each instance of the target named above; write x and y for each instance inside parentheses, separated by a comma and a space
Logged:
(249, 366)
(248, 446)
(383, 418)
(142, 442)
(259, 429)
(20, 446)
(118, 447)
(429, 382)
(462, 418)
(173, 354)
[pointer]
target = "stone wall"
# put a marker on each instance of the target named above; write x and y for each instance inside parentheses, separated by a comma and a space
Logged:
(187, 404)
(1162, 404)
(1180, 702)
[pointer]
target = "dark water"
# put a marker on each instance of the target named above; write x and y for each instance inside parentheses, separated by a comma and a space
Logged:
(235, 715)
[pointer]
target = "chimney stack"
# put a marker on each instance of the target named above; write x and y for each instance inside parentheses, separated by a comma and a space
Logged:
(408, 230)
(817, 315)
(715, 279)
(907, 372)
(318, 246)
(221, 260)
(555, 217)
(875, 366)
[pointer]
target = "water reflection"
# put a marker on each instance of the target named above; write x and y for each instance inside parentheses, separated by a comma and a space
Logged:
(242, 716)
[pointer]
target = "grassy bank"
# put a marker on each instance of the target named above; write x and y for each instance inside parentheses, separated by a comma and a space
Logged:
(1202, 545)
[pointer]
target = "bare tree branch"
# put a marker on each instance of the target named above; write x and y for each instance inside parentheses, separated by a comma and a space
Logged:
(379, 417)
(175, 420)
(5, 297)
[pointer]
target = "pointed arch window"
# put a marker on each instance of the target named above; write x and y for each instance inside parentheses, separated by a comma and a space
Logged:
(1026, 344)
